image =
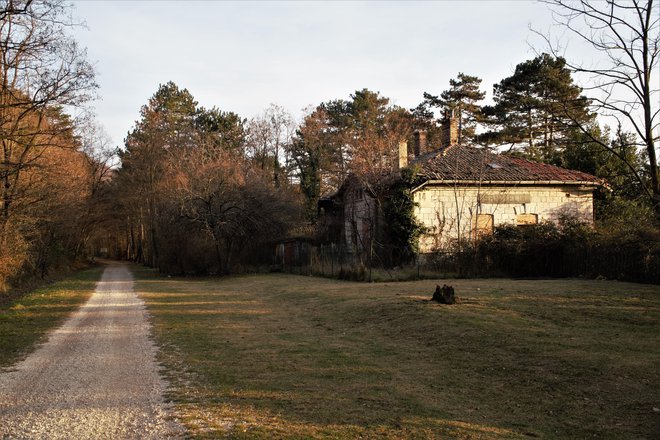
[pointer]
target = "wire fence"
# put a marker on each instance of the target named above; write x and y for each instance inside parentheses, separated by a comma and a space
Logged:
(638, 262)
(343, 262)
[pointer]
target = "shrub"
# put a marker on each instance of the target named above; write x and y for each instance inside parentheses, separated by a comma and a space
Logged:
(571, 248)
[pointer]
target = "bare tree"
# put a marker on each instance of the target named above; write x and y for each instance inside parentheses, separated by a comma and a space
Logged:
(626, 86)
(204, 189)
(230, 200)
(269, 136)
(43, 71)
(101, 161)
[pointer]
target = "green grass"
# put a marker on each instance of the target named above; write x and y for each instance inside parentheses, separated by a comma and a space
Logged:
(24, 321)
(283, 356)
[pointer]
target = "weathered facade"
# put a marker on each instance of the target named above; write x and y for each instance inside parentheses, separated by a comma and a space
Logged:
(465, 191)
(350, 216)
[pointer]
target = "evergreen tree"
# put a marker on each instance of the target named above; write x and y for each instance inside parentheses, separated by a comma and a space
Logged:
(461, 101)
(220, 130)
(621, 199)
(314, 156)
(423, 118)
(402, 228)
(192, 198)
(537, 108)
(368, 129)
(358, 136)
(166, 127)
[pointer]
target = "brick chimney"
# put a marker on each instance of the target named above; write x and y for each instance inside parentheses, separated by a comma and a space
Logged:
(419, 137)
(402, 161)
(449, 127)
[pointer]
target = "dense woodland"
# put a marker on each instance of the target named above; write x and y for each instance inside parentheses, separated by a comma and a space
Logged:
(197, 190)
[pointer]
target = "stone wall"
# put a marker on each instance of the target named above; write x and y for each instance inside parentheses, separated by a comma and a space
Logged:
(461, 213)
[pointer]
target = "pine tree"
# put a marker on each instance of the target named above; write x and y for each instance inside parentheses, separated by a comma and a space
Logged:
(166, 127)
(461, 101)
(536, 108)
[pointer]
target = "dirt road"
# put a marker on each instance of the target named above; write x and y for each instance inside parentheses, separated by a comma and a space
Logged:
(96, 377)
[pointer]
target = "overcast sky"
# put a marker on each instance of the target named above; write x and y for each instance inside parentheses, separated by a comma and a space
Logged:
(242, 56)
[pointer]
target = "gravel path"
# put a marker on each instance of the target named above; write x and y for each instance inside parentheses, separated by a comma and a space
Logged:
(96, 377)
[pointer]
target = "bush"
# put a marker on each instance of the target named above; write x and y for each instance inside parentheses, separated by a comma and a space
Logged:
(571, 249)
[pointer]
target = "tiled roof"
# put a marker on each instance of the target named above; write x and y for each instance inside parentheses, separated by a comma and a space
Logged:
(467, 163)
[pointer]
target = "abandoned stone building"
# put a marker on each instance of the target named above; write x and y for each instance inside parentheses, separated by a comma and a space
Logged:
(464, 192)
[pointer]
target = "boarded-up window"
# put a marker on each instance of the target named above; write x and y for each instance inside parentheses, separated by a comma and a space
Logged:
(527, 219)
(483, 225)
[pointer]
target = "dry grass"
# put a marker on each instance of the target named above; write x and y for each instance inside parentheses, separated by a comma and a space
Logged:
(282, 356)
(26, 318)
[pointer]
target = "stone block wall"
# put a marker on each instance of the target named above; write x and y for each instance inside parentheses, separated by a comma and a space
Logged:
(451, 213)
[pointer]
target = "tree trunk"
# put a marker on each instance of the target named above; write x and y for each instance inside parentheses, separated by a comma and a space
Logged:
(530, 133)
(230, 246)
(655, 183)
(648, 117)
(218, 254)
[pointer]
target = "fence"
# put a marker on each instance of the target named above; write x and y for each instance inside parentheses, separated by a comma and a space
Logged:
(633, 261)
(338, 261)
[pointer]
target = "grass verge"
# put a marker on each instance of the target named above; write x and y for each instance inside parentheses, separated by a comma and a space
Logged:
(25, 320)
(283, 356)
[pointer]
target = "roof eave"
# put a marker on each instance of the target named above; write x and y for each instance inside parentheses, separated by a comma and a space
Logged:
(507, 183)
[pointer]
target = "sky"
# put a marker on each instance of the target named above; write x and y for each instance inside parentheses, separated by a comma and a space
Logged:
(243, 56)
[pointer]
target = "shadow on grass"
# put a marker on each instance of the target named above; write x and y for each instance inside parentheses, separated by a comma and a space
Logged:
(25, 320)
(296, 357)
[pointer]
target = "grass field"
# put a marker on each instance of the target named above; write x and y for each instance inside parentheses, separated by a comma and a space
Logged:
(25, 320)
(283, 356)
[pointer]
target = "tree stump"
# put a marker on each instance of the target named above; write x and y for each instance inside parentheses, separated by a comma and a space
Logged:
(444, 294)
